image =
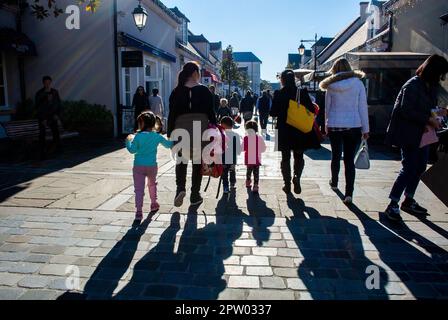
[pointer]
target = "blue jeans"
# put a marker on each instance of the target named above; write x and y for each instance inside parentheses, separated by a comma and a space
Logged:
(229, 170)
(415, 162)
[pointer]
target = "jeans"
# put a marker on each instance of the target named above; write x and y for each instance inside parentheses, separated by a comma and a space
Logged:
(255, 171)
(347, 141)
(43, 132)
(264, 120)
(229, 170)
(196, 178)
(299, 165)
(414, 163)
(140, 174)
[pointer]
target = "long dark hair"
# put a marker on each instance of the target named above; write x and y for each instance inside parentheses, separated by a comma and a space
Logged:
(432, 70)
(288, 79)
(138, 89)
(187, 71)
(148, 121)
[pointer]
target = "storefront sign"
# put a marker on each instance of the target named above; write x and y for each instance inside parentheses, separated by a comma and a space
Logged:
(132, 59)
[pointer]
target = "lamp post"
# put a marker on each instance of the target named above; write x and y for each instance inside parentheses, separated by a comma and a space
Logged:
(140, 16)
(302, 52)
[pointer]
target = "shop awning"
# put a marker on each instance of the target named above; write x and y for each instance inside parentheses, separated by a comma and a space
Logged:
(386, 60)
(214, 77)
(126, 40)
(18, 42)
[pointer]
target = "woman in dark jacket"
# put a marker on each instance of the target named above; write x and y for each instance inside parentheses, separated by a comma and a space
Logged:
(247, 107)
(140, 103)
(415, 112)
(190, 102)
(289, 138)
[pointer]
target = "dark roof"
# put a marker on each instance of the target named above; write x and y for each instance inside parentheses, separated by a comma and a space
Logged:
(245, 57)
(294, 59)
(323, 42)
(178, 13)
(341, 34)
(215, 45)
(193, 38)
(166, 10)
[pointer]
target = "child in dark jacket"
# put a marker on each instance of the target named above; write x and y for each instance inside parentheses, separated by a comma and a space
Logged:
(230, 157)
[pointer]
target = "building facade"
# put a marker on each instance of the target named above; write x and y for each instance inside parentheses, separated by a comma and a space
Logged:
(250, 63)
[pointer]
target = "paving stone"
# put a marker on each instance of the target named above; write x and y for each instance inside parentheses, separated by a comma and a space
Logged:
(282, 262)
(266, 252)
(246, 243)
(12, 256)
(233, 270)
(285, 272)
(295, 284)
(26, 267)
(254, 261)
(8, 279)
(78, 251)
(37, 258)
(7, 265)
(233, 294)
(10, 293)
(259, 271)
(284, 252)
(36, 282)
(39, 295)
(89, 243)
(233, 260)
(241, 251)
(161, 291)
(18, 239)
(270, 295)
(54, 250)
(273, 283)
(244, 282)
(54, 270)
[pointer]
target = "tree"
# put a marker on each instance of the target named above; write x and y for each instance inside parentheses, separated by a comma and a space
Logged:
(42, 9)
(229, 68)
(243, 81)
(265, 85)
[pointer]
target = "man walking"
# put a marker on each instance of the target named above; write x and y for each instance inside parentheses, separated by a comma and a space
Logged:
(264, 107)
(48, 105)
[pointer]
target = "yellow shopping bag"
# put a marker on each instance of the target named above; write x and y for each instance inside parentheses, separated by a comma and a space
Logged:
(299, 116)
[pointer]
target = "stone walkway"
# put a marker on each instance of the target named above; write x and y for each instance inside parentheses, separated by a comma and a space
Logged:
(73, 216)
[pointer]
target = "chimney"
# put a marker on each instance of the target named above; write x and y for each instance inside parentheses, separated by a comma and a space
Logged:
(363, 6)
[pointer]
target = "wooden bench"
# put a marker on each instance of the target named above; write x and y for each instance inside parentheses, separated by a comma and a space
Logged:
(29, 130)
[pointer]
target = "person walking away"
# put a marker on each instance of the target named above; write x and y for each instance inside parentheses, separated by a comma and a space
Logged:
(415, 112)
(234, 104)
(346, 121)
(156, 104)
(264, 107)
(190, 102)
(291, 140)
(144, 146)
(224, 110)
(230, 157)
(253, 147)
(140, 103)
(247, 107)
(48, 105)
(216, 97)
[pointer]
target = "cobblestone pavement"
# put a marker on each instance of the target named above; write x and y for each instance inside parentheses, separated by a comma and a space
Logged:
(74, 216)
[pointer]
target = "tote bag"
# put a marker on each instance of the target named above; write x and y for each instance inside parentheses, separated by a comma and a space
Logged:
(299, 116)
(362, 160)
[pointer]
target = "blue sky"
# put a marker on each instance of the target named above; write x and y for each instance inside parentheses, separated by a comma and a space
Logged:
(269, 28)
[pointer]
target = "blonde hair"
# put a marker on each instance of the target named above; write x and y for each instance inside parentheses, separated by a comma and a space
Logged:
(224, 102)
(341, 65)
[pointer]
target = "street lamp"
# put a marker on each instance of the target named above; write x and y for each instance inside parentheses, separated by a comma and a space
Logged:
(140, 16)
(302, 52)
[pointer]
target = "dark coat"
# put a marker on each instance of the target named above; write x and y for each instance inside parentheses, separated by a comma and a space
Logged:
(223, 112)
(264, 104)
(140, 104)
(196, 100)
(247, 104)
(411, 114)
(290, 138)
(48, 104)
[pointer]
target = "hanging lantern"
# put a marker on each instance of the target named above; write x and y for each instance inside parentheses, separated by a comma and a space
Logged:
(140, 16)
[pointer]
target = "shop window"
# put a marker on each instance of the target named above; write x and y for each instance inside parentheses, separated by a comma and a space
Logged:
(127, 86)
(384, 85)
(2, 83)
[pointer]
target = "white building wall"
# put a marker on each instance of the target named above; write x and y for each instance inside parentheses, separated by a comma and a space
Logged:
(254, 73)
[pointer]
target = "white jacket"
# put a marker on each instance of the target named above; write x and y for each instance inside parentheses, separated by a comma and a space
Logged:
(346, 102)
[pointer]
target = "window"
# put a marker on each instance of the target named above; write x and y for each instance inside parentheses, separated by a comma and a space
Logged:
(127, 86)
(2, 82)
(148, 70)
(383, 85)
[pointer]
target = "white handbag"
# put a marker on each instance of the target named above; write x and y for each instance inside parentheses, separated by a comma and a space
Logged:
(362, 159)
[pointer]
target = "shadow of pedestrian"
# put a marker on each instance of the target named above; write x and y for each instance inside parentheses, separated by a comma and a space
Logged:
(260, 218)
(113, 267)
(189, 267)
(334, 263)
(416, 261)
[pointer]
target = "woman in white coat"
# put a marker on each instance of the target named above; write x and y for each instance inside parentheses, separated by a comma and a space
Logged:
(346, 120)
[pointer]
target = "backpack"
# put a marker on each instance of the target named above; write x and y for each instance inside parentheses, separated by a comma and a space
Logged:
(215, 170)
